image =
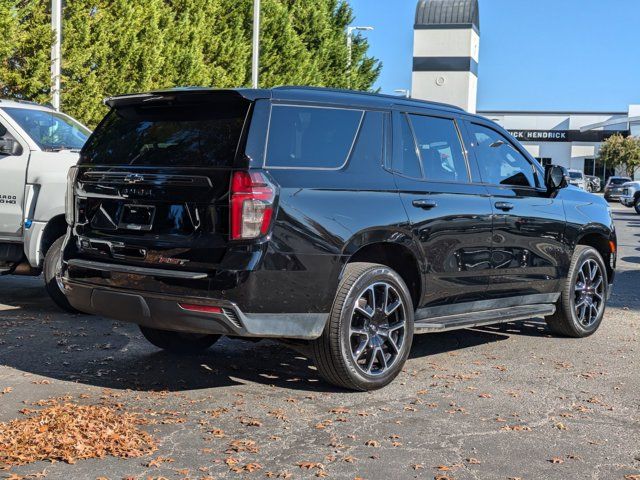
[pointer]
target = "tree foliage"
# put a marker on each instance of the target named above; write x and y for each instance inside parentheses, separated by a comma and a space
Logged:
(621, 152)
(120, 46)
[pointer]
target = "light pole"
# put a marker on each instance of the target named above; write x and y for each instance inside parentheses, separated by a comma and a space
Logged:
(56, 26)
(350, 31)
(255, 61)
(404, 92)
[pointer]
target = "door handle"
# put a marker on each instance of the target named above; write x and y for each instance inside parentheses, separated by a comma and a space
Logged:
(505, 206)
(425, 204)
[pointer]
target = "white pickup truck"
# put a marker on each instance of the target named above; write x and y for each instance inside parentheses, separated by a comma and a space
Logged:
(37, 147)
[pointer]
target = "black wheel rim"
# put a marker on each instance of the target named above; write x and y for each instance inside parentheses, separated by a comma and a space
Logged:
(377, 331)
(589, 293)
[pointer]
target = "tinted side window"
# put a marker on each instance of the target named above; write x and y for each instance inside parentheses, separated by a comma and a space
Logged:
(500, 163)
(407, 161)
(440, 148)
(309, 137)
(369, 148)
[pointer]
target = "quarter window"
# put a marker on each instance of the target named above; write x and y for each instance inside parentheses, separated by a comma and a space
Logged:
(440, 149)
(309, 137)
(369, 147)
(500, 163)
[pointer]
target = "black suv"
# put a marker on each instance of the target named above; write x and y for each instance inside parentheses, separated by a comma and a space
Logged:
(347, 221)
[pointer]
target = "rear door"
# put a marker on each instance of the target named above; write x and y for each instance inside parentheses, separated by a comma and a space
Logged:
(450, 216)
(528, 253)
(153, 182)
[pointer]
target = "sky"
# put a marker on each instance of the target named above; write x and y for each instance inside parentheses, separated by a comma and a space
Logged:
(562, 55)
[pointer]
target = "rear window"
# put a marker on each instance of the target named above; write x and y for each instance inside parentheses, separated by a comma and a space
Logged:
(186, 135)
(310, 137)
(619, 181)
(575, 175)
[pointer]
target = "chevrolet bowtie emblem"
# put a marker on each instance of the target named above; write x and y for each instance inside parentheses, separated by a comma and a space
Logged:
(133, 178)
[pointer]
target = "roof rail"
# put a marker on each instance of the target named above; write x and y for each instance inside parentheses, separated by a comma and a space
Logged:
(371, 94)
(26, 102)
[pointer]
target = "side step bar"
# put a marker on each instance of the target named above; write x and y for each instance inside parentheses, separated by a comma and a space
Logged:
(483, 318)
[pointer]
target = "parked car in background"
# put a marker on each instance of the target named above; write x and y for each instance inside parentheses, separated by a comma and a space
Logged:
(341, 222)
(631, 195)
(593, 183)
(577, 179)
(37, 147)
(613, 188)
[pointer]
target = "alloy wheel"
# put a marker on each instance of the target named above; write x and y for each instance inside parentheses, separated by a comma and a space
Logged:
(589, 293)
(377, 331)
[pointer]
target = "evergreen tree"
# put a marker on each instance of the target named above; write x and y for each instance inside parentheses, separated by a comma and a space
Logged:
(122, 46)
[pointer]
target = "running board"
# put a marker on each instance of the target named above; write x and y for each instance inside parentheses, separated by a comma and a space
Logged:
(483, 318)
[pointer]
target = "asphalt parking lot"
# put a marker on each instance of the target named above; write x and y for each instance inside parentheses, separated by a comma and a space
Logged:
(492, 403)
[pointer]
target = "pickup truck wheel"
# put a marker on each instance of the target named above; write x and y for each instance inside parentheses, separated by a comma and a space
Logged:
(178, 342)
(582, 301)
(52, 281)
(636, 205)
(370, 329)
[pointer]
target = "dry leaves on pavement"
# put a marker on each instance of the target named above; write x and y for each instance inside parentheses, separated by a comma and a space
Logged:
(70, 432)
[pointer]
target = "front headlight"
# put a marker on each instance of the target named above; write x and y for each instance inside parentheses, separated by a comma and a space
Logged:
(69, 203)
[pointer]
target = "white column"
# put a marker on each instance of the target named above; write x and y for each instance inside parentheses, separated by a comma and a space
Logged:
(255, 61)
(56, 26)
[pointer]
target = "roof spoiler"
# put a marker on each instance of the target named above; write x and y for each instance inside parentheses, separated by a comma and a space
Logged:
(180, 94)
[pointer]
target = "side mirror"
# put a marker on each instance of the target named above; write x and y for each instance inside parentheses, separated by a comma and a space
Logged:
(10, 147)
(555, 177)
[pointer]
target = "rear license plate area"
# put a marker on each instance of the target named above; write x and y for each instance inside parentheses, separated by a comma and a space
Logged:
(137, 217)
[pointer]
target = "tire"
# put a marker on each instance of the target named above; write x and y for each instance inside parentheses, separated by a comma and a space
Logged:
(384, 334)
(567, 320)
(636, 205)
(52, 282)
(179, 342)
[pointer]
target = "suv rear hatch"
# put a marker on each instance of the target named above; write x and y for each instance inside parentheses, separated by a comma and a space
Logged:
(153, 187)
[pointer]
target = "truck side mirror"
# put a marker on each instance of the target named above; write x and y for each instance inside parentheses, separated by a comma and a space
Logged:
(555, 177)
(10, 147)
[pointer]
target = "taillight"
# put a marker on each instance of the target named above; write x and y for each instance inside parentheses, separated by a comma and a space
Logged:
(252, 199)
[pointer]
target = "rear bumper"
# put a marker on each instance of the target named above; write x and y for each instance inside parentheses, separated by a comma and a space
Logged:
(613, 195)
(164, 312)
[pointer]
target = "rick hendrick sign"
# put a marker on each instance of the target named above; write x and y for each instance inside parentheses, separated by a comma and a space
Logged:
(563, 135)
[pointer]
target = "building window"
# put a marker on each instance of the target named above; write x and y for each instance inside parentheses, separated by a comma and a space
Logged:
(544, 161)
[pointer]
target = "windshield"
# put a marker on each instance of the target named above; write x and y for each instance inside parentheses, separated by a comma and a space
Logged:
(618, 181)
(50, 130)
(194, 135)
(575, 175)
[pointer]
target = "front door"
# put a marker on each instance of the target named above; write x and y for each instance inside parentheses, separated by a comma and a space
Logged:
(528, 252)
(12, 182)
(450, 217)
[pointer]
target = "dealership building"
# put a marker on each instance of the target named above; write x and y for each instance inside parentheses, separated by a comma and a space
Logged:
(445, 69)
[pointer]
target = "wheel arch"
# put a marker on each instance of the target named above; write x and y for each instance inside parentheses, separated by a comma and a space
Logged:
(601, 239)
(55, 228)
(394, 249)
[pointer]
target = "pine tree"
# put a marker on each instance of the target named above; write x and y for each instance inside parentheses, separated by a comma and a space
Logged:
(122, 46)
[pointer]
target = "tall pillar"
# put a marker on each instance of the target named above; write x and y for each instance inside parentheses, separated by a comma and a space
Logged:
(446, 46)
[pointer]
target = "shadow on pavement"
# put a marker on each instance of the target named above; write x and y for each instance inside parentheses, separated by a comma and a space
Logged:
(99, 352)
